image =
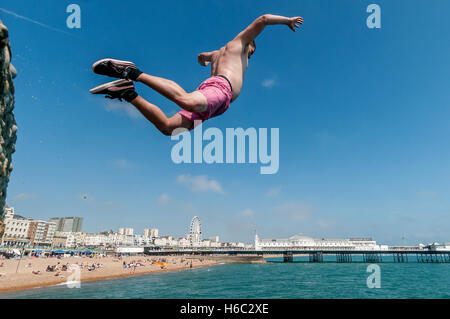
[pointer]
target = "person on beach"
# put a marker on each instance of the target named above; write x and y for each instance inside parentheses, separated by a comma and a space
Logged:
(213, 96)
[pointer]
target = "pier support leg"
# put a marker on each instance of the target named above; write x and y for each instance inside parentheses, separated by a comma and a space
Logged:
(400, 258)
(288, 257)
(372, 258)
(344, 258)
(316, 257)
(420, 258)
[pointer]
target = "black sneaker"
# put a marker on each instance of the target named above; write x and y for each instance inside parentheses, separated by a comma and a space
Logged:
(120, 89)
(116, 69)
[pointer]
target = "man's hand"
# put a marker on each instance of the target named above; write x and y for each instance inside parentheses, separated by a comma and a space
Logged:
(253, 30)
(204, 59)
(294, 23)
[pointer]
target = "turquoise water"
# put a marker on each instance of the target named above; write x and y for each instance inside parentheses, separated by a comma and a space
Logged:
(272, 280)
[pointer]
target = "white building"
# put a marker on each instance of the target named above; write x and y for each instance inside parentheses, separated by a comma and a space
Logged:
(20, 231)
(184, 242)
(16, 229)
(214, 239)
(367, 244)
(129, 250)
(75, 239)
(66, 239)
(93, 240)
(9, 212)
(140, 240)
(153, 232)
(234, 245)
(126, 231)
(121, 240)
(114, 239)
(304, 242)
(439, 247)
(214, 244)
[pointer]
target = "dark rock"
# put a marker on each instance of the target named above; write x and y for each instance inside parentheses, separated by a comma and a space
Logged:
(8, 125)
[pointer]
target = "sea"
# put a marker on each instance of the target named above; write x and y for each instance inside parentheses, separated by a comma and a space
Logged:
(273, 280)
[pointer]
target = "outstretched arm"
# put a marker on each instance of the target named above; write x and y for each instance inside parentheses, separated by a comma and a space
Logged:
(253, 30)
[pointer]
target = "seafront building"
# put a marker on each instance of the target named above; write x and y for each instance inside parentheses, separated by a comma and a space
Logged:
(214, 239)
(41, 233)
(59, 240)
(16, 229)
(21, 231)
(65, 233)
(143, 240)
(126, 231)
(67, 224)
(304, 242)
(153, 232)
(102, 240)
(109, 240)
(439, 247)
(150, 239)
(26, 232)
(68, 239)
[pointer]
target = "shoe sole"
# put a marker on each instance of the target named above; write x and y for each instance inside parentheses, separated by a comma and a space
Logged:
(112, 60)
(102, 87)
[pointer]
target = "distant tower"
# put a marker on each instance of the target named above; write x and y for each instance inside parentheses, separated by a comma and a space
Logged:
(257, 246)
(195, 231)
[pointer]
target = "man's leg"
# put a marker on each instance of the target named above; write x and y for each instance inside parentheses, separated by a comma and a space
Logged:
(193, 102)
(159, 119)
(125, 90)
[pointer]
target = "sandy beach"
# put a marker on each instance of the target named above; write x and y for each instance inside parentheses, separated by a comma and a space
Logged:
(31, 272)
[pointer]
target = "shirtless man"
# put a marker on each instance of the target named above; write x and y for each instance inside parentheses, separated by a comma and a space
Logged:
(212, 98)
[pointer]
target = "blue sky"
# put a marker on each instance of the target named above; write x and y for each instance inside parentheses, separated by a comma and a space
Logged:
(363, 117)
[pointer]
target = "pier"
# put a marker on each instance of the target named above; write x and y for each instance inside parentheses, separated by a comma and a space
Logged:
(321, 256)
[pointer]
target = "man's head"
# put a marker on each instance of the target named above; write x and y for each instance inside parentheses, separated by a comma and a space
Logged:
(251, 48)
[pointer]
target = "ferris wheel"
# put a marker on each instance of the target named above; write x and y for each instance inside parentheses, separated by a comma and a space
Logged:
(195, 231)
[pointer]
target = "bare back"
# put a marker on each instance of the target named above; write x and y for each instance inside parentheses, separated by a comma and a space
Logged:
(232, 62)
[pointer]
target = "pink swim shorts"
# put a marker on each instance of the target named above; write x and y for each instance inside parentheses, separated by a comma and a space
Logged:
(218, 93)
